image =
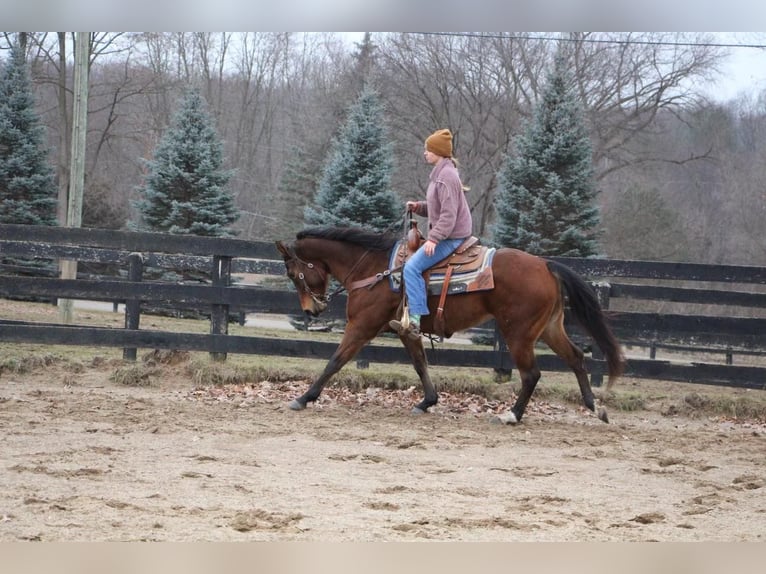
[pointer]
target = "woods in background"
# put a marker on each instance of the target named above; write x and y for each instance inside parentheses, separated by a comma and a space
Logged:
(677, 177)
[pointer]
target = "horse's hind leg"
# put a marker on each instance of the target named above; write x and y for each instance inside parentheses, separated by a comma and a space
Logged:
(523, 354)
(557, 339)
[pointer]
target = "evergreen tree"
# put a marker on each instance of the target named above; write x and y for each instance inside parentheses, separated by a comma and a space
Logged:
(364, 63)
(28, 193)
(185, 190)
(355, 187)
(546, 197)
(297, 186)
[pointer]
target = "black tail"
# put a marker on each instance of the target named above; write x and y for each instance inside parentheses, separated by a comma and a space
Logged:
(585, 307)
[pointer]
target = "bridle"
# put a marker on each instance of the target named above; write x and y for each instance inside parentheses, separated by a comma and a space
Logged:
(368, 282)
(323, 299)
(316, 297)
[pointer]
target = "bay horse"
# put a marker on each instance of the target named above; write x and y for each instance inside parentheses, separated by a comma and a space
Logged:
(527, 302)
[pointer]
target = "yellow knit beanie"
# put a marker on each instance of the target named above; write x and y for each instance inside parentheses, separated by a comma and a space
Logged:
(440, 143)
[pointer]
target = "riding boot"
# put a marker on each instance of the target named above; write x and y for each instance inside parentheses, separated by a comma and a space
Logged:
(412, 330)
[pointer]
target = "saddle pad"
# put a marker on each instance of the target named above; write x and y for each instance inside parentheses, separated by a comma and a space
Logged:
(479, 279)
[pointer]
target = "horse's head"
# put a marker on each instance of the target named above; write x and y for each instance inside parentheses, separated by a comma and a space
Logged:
(310, 279)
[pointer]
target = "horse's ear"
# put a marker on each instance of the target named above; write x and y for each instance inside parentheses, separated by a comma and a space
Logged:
(282, 248)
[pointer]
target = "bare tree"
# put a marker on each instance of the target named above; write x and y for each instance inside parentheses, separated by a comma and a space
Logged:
(626, 80)
(291, 99)
(461, 83)
(740, 206)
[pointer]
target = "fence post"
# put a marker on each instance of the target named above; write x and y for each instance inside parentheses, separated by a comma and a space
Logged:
(503, 360)
(133, 306)
(219, 314)
(602, 294)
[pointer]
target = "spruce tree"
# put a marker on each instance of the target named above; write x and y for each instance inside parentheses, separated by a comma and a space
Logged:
(297, 186)
(185, 190)
(28, 193)
(355, 187)
(545, 201)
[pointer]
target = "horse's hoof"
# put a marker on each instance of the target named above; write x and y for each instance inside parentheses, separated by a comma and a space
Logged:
(602, 415)
(417, 411)
(508, 418)
(295, 405)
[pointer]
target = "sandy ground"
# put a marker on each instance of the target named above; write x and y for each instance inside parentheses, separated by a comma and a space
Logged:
(85, 458)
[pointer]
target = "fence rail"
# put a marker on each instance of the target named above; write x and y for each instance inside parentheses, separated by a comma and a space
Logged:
(222, 258)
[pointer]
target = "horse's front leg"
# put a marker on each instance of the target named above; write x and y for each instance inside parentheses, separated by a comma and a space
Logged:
(418, 355)
(353, 340)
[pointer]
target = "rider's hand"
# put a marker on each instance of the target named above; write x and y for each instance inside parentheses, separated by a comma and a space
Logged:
(412, 205)
(429, 247)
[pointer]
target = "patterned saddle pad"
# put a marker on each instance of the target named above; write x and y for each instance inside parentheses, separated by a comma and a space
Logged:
(471, 270)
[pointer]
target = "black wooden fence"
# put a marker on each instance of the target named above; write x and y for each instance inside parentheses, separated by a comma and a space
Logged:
(220, 259)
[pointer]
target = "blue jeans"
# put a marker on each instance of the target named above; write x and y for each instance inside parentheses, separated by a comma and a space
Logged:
(414, 284)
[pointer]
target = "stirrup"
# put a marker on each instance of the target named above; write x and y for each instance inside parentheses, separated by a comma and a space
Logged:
(412, 331)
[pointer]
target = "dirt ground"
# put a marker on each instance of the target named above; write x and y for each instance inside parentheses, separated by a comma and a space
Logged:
(88, 459)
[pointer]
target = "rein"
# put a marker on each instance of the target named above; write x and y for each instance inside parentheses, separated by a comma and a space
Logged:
(369, 282)
(325, 299)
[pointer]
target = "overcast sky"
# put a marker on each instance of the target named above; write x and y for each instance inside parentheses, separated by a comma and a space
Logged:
(745, 69)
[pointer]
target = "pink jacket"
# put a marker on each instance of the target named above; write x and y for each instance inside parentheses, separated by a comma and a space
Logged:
(446, 207)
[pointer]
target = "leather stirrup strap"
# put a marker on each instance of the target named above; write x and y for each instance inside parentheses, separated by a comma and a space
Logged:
(439, 320)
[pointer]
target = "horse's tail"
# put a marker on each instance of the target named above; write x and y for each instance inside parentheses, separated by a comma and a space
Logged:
(587, 310)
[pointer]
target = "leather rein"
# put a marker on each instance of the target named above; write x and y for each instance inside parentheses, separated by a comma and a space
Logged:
(368, 282)
(325, 299)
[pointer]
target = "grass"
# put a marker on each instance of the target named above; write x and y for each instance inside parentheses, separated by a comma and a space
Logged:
(134, 376)
(26, 363)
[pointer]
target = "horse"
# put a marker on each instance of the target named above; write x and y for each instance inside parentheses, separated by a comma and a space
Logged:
(527, 302)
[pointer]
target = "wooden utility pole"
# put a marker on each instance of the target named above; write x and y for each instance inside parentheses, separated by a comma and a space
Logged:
(77, 166)
(65, 135)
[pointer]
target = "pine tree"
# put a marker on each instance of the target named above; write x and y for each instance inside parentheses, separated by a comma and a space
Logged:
(546, 196)
(297, 186)
(355, 187)
(185, 190)
(28, 193)
(364, 63)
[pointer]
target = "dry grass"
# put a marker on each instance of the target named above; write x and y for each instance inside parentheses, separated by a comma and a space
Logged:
(135, 376)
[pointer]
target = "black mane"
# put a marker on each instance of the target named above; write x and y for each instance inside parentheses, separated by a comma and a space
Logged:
(368, 239)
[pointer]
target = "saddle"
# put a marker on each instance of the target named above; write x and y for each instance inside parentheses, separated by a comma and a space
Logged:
(467, 269)
(464, 266)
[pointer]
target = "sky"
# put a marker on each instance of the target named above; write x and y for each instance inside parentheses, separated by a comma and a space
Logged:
(745, 69)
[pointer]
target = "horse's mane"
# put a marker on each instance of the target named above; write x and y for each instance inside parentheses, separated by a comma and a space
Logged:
(368, 239)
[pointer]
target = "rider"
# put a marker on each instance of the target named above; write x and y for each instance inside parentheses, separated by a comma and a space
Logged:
(449, 224)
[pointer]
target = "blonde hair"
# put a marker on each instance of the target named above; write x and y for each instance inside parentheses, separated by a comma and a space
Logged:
(456, 163)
